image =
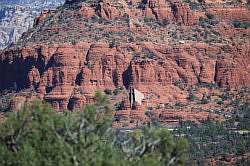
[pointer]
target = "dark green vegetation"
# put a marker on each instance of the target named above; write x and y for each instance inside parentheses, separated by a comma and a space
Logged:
(240, 24)
(39, 136)
(214, 139)
(5, 98)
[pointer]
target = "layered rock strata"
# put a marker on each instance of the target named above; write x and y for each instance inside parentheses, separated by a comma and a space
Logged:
(60, 72)
(86, 46)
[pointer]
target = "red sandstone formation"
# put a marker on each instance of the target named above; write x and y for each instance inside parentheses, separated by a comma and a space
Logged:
(224, 14)
(175, 11)
(43, 16)
(106, 45)
(130, 117)
(56, 71)
(229, 159)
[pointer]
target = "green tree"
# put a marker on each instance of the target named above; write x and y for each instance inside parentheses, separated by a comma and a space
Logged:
(37, 136)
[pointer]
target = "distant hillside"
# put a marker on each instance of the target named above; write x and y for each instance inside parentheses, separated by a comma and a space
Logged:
(16, 16)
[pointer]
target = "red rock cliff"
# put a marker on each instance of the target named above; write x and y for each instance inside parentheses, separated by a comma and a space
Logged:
(56, 72)
(109, 44)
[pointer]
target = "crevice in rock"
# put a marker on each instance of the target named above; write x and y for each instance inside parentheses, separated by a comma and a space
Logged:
(127, 76)
(79, 78)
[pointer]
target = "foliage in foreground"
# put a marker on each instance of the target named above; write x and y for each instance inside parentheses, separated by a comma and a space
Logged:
(39, 136)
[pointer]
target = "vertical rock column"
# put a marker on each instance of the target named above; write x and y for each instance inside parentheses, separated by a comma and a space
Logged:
(63, 72)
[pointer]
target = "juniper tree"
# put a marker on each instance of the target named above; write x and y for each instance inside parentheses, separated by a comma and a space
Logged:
(37, 135)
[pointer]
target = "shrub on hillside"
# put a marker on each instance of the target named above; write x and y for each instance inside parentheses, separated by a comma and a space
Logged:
(241, 24)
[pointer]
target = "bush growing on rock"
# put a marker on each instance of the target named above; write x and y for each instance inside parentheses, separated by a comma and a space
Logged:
(240, 24)
(117, 90)
(108, 91)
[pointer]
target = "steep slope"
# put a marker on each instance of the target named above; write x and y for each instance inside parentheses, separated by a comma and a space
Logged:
(164, 49)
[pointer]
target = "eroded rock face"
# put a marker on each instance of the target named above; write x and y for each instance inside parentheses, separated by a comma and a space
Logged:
(157, 46)
(182, 13)
(227, 68)
(57, 71)
(241, 14)
(161, 10)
